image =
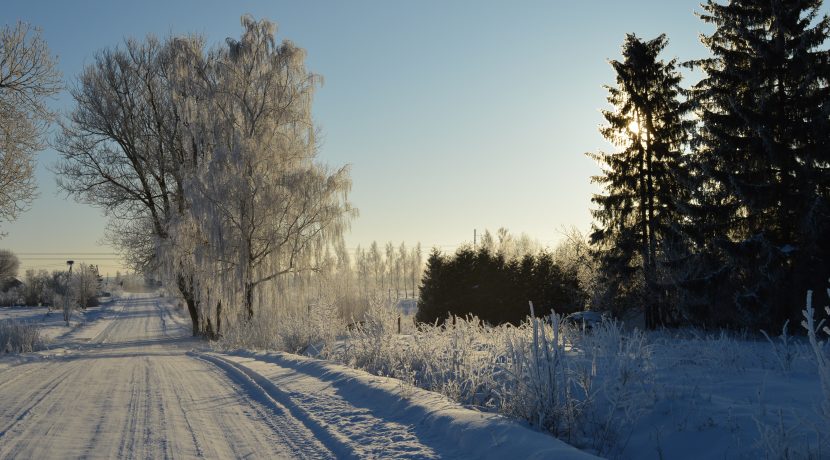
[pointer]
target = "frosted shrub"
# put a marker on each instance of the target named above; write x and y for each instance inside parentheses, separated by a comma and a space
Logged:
(622, 365)
(459, 359)
(585, 388)
(312, 329)
(296, 330)
(462, 359)
(543, 390)
(371, 342)
(10, 298)
(16, 337)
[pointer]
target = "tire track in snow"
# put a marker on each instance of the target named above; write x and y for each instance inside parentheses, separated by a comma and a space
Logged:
(330, 448)
(177, 392)
(33, 399)
(131, 420)
(135, 393)
(347, 430)
(19, 371)
(41, 403)
(106, 410)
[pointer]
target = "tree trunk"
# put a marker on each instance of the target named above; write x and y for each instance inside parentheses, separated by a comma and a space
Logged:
(192, 305)
(249, 300)
(219, 319)
(650, 262)
(208, 333)
(643, 210)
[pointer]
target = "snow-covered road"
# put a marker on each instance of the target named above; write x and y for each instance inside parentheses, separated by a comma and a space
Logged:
(132, 384)
(133, 392)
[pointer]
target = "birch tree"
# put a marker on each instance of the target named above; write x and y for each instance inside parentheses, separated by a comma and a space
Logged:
(28, 76)
(206, 161)
(122, 148)
(260, 199)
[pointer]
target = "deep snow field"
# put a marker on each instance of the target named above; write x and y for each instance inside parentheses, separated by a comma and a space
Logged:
(720, 396)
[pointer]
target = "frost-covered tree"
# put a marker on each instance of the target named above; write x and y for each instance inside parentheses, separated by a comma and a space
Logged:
(28, 76)
(508, 245)
(575, 256)
(37, 287)
(643, 184)
(122, 148)
(377, 266)
(415, 267)
(762, 152)
(259, 198)
(9, 264)
(85, 284)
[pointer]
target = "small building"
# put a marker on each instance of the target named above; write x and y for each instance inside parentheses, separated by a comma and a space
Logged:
(10, 283)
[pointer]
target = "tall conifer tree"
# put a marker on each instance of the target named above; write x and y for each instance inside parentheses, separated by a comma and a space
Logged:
(643, 181)
(762, 150)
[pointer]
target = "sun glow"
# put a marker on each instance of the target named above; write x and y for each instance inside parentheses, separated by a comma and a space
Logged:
(634, 127)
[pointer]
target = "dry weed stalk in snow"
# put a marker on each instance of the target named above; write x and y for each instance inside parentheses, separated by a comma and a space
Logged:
(17, 337)
(820, 348)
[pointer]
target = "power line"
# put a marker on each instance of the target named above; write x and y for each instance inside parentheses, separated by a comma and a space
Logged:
(67, 253)
(77, 257)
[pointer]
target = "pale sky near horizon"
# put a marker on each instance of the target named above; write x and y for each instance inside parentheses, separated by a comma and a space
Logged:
(454, 115)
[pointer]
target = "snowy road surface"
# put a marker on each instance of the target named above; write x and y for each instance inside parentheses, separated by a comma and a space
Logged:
(137, 389)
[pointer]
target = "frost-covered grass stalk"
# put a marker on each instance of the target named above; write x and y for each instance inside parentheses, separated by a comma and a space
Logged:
(821, 350)
(784, 349)
(545, 384)
(781, 438)
(621, 362)
(17, 337)
(541, 371)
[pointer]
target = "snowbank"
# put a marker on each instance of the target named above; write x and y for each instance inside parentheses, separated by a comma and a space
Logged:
(448, 428)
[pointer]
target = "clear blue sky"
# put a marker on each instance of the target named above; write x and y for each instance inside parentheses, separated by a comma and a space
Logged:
(454, 115)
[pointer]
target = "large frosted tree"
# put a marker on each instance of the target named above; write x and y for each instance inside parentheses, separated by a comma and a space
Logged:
(122, 149)
(206, 161)
(761, 209)
(260, 200)
(28, 76)
(643, 181)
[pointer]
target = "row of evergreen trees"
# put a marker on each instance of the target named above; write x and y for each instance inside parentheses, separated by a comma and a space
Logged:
(715, 209)
(495, 288)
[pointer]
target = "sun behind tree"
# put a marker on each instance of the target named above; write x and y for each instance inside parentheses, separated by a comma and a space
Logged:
(642, 183)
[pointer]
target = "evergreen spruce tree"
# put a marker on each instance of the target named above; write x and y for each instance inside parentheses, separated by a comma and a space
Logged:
(643, 183)
(761, 202)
